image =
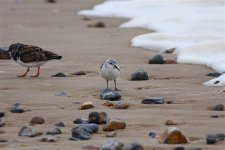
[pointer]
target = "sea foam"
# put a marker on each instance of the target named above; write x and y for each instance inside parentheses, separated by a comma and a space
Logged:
(195, 28)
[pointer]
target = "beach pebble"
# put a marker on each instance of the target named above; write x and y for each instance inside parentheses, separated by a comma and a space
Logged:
(80, 121)
(113, 144)
(3, 53)
(169, 102)
(111, 134)
(17, 108)
(91, 128)
(134, 146)
(61, 94)
(108, 104)
(2, 114)
(97, 25)
(51, 1)
(28, 132)
(157, 59)
(170, 61)
(54, 131)
(214, 138)
(2, 131)
(98, 117)
(170, 122)
(179, 148)
(139, 75)
(153, 100)
(60, 74)
(86, 105)
(91, 147)
(214, 74)
(152, 135)
(2, 124)
(218, 107)
(173, 135)
(86, 18)
(60, 124)
(48, 139)
(82, 133)
(3, 141)
(79, 73)
(108, 94)
(121, 105)
(114, 125)
(37, 120)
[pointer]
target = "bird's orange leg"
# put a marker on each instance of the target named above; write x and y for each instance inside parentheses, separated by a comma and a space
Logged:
(38, 72)
(24, 75)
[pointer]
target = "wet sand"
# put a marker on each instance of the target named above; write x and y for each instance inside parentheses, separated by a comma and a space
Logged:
(57, 28)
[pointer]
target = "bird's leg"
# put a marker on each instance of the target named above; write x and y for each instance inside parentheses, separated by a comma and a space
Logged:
(107, 84)
(24, 75)
(38, 72)
(115, 85)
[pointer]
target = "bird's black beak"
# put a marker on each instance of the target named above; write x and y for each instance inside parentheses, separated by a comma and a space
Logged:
(117, 67)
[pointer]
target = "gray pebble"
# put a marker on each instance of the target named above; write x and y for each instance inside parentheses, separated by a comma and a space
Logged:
(139, 75)
(153, 100)
(108, 94)
(113, 144)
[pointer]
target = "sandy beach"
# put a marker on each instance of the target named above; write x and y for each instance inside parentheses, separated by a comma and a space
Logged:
(58, 28)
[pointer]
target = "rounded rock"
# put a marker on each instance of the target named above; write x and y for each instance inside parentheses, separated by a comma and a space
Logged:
(98, 117)
(114, 125)
(157, 59)
(87, 105)
(139, 75)
(37, 120)
(218, 107)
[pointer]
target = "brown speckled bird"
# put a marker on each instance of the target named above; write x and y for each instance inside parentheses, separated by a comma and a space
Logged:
(30, 56)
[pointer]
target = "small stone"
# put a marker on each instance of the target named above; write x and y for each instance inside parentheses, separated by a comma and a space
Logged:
(80, 121)
(61, 94)
(37, 120)
(157, 59)
(169, 102)
(214, 138)
(111, 95)
(173, 135)
(86, 18)
(17, 108)
(2, 114)
(218, 107)
(54, 131)
(87, 105)
(2, 124)
(51, 1)
(60, 74)
(121, 105)
(98, 117)
(79, 73)
(139, 75)
(111, 134)
(60, 124)
(170, 61)
(3, 141)
(108, 104)
(114, 125)
(2, 131)
(152, 134)
(91, 128)
(97, 25)
(3, 53)
(28, 132)
(113, 144)
(153, 100)
(48, 139)
(91, 147)
(170, 50)
(170, 122)
(134, 146)
(214, 116)
(80, 134)
(179, 148)
(214, 74)
(198, 148)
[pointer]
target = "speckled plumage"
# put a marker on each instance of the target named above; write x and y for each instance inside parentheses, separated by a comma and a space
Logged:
(30, 56)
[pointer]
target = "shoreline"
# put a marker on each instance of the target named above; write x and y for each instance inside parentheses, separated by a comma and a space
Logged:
(67, 34)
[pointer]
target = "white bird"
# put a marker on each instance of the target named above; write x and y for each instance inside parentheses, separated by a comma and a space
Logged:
(110, 70)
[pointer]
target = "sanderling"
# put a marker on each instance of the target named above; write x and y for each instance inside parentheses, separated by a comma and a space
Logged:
(30, 56)
(110, 70)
